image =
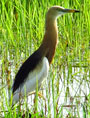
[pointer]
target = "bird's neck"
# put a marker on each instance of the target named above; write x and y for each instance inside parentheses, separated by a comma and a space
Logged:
(50, 39)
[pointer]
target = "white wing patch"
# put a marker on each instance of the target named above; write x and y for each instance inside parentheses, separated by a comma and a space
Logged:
(39, 73)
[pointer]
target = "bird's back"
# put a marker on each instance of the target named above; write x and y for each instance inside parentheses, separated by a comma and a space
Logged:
(26, 68)
(36, 75)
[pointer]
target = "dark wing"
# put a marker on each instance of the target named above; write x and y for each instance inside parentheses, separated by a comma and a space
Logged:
(24, 70)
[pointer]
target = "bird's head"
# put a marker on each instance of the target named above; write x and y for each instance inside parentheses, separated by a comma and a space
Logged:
(56, 11)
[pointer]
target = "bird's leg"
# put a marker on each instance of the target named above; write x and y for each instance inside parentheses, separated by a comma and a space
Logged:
(39, 94)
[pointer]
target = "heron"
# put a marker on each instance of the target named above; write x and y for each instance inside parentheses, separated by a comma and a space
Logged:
(36, 67)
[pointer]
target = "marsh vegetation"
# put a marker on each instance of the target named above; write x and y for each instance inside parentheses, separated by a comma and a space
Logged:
(67, 89)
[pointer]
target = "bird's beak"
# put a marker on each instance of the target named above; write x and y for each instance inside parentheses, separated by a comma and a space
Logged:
(70, 10)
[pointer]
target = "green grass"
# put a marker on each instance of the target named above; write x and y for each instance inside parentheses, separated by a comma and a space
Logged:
(21, 32)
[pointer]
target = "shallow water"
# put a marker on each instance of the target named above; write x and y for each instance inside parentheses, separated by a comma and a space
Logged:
(73, 89)
(78, 89)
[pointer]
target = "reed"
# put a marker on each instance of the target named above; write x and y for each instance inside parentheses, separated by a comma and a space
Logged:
(67, 90)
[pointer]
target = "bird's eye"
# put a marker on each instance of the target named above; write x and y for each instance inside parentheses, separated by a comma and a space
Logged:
(59, 9)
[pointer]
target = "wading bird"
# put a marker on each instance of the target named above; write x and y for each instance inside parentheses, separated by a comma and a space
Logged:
(36, 67)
